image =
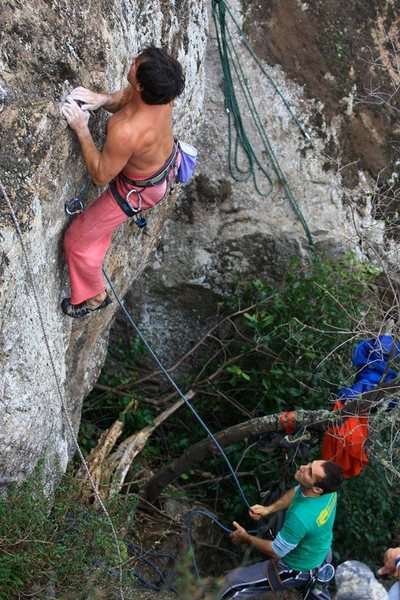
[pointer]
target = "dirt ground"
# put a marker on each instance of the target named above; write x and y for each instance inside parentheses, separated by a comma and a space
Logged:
(339, 51)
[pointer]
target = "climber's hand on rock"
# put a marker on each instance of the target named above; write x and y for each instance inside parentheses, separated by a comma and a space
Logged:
(90, 100)
(76, 118)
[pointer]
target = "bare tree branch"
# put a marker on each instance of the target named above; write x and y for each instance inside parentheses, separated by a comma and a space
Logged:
(254, 429)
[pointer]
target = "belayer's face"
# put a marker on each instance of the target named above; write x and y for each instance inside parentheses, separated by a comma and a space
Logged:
(308, 475)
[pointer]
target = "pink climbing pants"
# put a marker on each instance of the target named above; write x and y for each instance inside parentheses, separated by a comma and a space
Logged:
(86, 242)
(88, 238)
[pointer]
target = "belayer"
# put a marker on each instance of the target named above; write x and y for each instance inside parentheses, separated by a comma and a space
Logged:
(300, 553)
(139, 159)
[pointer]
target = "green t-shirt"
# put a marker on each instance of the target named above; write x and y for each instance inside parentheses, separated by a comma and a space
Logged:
(309, 523)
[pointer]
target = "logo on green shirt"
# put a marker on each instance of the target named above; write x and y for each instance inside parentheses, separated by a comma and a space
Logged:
(326, 512)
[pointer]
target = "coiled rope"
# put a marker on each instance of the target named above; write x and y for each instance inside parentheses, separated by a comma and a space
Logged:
(237, 134)
(58, 387)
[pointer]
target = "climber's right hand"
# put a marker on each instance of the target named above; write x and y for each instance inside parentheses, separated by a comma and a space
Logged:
(91, 100)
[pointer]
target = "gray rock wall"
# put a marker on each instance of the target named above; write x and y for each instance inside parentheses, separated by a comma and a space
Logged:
(47, 48)
(222, 229)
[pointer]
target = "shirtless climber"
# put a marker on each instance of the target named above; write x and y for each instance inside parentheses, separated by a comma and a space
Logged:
(303, 544)
(139, 156)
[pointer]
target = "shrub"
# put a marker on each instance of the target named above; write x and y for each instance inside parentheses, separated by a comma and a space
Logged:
(56, 541)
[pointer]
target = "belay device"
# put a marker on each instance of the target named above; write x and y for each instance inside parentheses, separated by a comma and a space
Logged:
(319, 582)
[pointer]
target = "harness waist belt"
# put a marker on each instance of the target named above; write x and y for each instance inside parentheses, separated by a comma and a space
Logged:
(273, 574)
(158, 177)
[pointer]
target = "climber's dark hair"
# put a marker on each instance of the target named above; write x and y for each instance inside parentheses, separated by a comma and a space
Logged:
(159, 75)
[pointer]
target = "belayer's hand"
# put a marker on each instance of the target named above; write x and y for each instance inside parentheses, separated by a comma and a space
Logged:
(76, 118)
(257, 511)
(240, 536)
(91, 100)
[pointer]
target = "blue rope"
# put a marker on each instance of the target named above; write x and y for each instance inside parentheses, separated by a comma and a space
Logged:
(142, 555)
(213, 518)
(179, 392)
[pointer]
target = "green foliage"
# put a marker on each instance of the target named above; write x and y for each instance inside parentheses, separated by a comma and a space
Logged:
(288, 347)
(295, 328)
(59, 541)
(191, 587)
(366, 515)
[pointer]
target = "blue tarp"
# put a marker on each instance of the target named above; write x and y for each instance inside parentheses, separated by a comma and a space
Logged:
(372, 357)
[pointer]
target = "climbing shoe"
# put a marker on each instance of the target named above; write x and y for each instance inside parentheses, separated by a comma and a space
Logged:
(77, 311)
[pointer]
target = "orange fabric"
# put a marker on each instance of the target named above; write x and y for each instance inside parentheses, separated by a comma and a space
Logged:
(344, 444)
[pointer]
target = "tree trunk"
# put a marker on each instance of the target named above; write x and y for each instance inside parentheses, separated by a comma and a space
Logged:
(317, 420)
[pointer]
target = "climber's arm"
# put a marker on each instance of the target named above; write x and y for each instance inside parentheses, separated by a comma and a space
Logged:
(121, 143)
(94, 100)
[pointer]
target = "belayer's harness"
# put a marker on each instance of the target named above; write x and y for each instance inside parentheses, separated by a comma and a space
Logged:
(319, 578)
(126, 204)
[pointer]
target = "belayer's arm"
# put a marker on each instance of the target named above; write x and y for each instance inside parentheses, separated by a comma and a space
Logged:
(240, 536)
(257, 511)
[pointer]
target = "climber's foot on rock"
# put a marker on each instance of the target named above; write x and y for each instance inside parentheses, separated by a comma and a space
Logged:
(77, 311)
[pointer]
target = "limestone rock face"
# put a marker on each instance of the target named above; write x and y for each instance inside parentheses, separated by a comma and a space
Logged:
(47, 48)
(222, 228)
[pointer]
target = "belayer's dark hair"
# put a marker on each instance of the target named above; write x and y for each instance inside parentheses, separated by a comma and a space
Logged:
(333, 477)
(159, 75)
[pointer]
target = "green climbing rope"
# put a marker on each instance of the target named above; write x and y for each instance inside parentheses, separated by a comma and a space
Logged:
(239, 143)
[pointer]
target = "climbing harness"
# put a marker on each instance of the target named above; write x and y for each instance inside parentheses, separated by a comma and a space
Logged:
(59, 387)
(239, 139)
(126, 204)
(131, 203)
(161, 175)
(183, 170)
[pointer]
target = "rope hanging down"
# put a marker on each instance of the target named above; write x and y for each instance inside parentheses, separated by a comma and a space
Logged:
(58, 387)
(177, 389)
(238, 140)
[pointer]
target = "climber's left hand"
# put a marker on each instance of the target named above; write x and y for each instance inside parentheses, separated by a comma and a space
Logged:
(76, 118)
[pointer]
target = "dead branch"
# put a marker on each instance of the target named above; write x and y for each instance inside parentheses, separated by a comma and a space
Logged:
(105, 467)
(131, 447)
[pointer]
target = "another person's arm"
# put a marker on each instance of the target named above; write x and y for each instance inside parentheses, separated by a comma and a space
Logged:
(391, 562)
(257, 511)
